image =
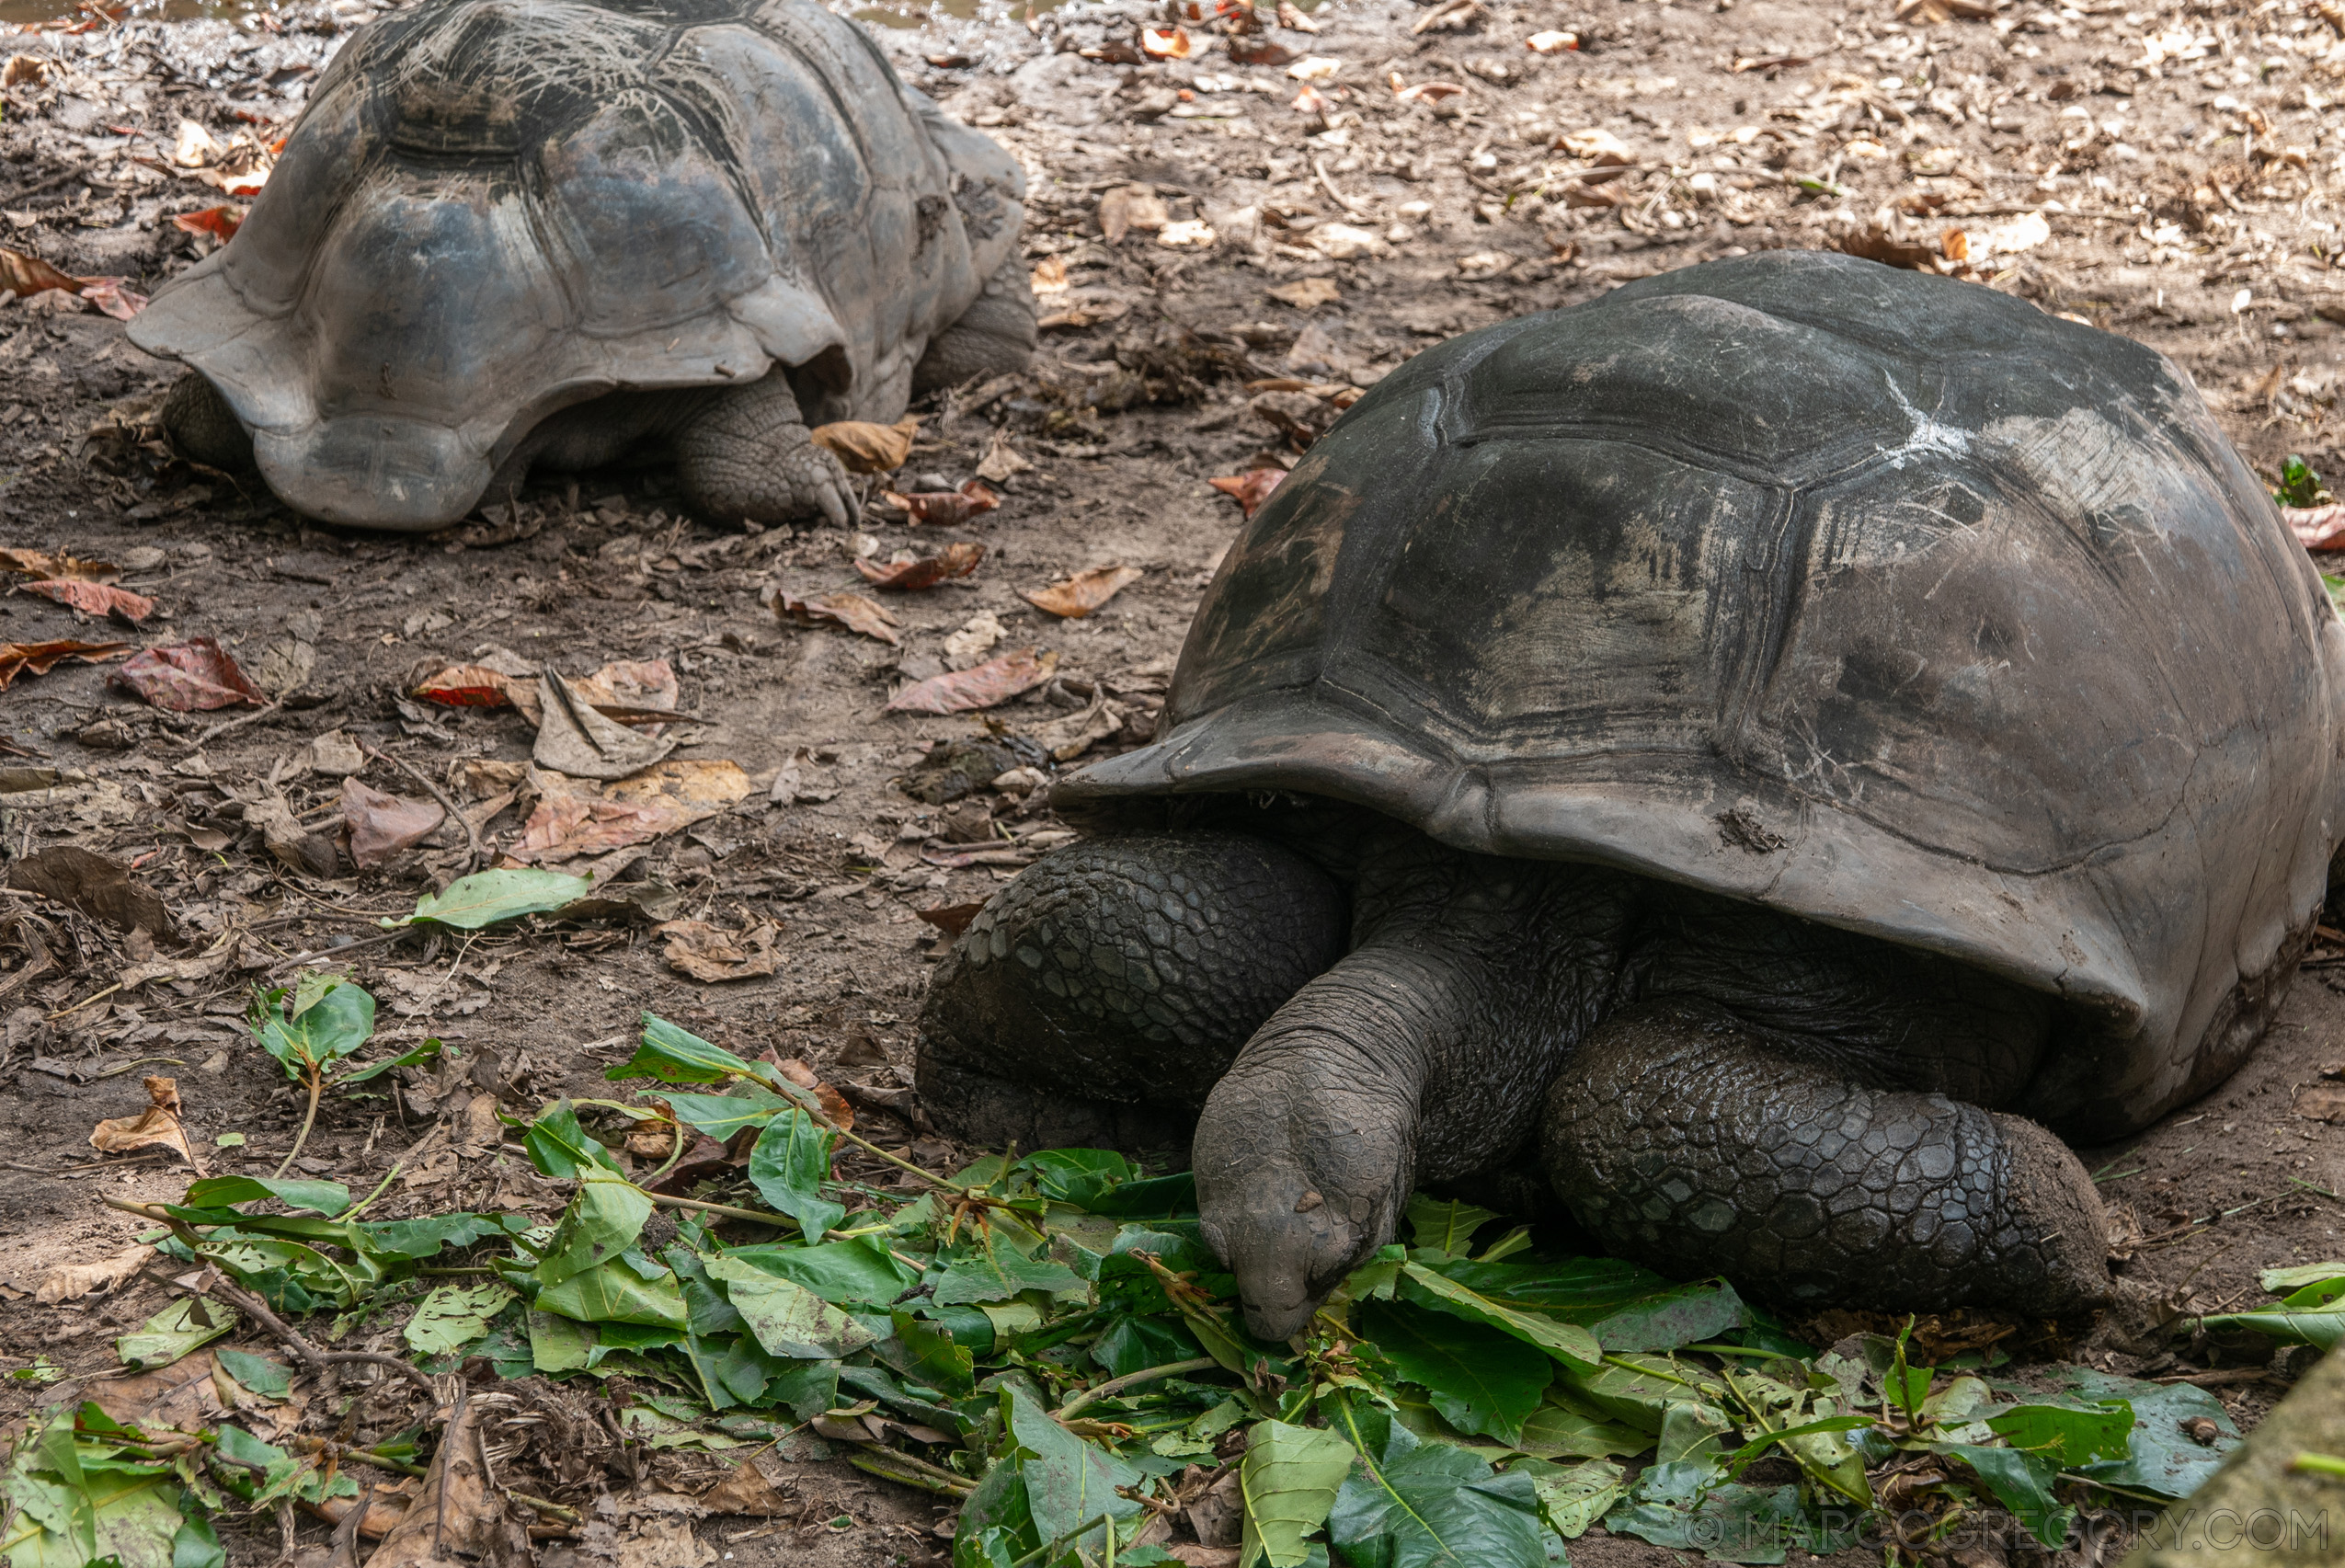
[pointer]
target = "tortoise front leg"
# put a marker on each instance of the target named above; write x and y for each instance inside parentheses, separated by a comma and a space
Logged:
(746, 452)
(203, 426)
(1099, 994)
(1681, 1139)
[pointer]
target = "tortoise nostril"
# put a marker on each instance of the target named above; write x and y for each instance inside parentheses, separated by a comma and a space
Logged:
(1307, 1202)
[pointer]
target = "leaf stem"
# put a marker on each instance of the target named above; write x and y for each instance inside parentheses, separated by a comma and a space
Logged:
(1114, 1385)
(309, 1119)
(726, 1209)
(388, 1176)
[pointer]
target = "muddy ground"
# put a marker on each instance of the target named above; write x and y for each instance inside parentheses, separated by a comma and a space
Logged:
(2170, 174)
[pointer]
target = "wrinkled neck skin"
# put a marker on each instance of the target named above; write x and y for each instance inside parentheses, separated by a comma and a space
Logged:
(1427, 1048)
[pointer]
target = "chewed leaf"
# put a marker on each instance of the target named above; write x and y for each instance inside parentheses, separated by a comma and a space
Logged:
(1288, 1482)
(787, 1318)
(320, 1197)
(1568, 1343)
(1481, 1379)
(679, 1056)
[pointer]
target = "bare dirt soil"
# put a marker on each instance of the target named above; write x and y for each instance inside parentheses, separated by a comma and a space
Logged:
(2169, 173)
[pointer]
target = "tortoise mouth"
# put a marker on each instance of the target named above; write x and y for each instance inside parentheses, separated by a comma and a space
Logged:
(400, 475)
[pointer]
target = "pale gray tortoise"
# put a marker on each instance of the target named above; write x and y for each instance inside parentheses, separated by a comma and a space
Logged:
(1760, 748)
(517, 234)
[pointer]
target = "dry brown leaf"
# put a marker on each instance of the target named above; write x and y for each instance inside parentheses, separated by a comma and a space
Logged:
(462, 1521)
(72, 1281)
(1129, 207)
(852, 610)
(40, 564)
(833, 1104)
(706, 952)
(93, 597)
(1305, 293)
(1049, 276)
(1165, 43)
(194, 676)
(42, 657)
(1001, 461)
(576, 740)
(867, 447)
(660, 1543)
(157, 1126)
(183, 1395)
(383, 826)
(466, 686)
(944, 507)
(1082, 594)
(2321, 1102)
(983, 686)
(746, 1490)
(2317, 528)
(97, 886)
(573, 819)
(908, 573)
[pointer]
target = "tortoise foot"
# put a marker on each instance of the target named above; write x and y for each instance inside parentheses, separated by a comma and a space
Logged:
(1681, 1139)
(995, 334)
(748, 454)
(203, 426)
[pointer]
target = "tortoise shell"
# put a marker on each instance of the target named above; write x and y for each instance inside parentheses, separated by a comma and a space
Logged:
(493, 209)
(1882, 600)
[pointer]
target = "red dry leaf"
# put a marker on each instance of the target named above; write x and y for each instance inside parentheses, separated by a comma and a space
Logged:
(994, 681)
(222, 221)
(93, 597)
(466, 686)
(2317, 528)
(1167, 43)
(190, 677)
(1251, 488)
(1082, 593)
(109, 295)
(944, 507)
(852, 610)
(955, 560)
(1250, 51)
(42, 657)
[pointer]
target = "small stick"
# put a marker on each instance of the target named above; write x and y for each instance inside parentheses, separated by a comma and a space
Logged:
(361, 944)
(724, 1209)
(1114, 1385)
(227, 725)
(84, 1002)
(472, 835)
(316, 1360)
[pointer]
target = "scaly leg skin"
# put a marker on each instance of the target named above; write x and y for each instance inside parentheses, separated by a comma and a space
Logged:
(1098, 995)
(747, 453)
(994, 335)
(203, 426)
(1419, 1059)
(1682, 1139)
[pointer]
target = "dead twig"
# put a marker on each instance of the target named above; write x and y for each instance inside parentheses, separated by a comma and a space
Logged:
(229, 725)
(472, 855)
(318, 1361)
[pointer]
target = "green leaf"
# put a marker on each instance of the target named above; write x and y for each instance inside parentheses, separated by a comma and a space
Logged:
(561, 1148)
(1678, 1506)
(1680, 1315)
(452, 1316)
(1446, 1226)
(933, 1356)
(1080, 1176)
(2160, 1456)
(76, 1505)
(267, 1378)
(617, 1292)
(1574, 1496)
(1288, 1480)
(787, 1318)
(788, 1166)
(486, 897)
(1481, 1379)
(188, 1323)
(2321, 1329)
(559, 1343)
(328, 1019)
(677, 1055)
(1429, 1506)
(428, 1236)
(1568, 1343)
(2065, 1436)
(1584, 1291)
(1067, 1481)
(415, 1056)
(2021, 1481)
(1135, 1344)
(995, 1269)
(1638, 1389)
(721, 1116)
(322, 1197)
(860, 1271)
(1565, 1428)
(605, 1216)
(2283, 1281)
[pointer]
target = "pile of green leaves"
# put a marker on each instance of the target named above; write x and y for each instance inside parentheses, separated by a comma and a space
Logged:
(1049, 1339)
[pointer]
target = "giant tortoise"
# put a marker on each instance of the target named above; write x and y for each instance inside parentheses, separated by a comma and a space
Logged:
(508, 233)
(1768, 749)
